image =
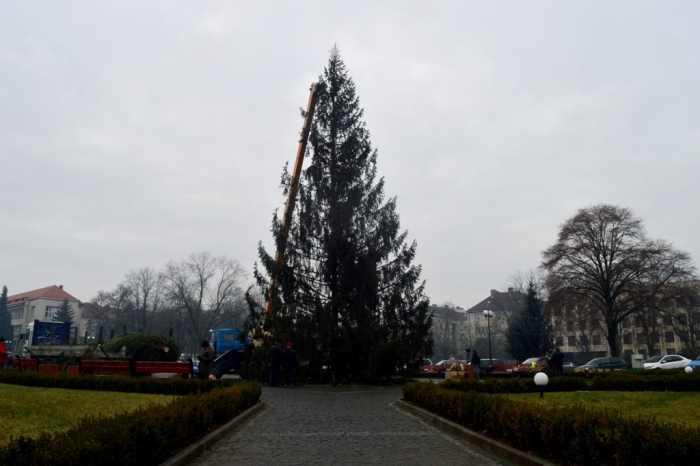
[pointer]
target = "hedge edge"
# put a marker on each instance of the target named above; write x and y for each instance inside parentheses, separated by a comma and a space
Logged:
(197, 448)
(486, 443)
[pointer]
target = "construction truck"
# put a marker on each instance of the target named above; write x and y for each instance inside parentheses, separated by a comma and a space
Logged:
(231, 347)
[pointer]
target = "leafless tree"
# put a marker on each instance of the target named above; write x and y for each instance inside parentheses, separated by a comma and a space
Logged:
(146, 292)
(450, 332)
(601, 255)
(207, 290)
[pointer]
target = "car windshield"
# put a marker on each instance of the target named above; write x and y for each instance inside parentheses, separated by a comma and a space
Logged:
(530, 360)
(594, 361)
(654, 359)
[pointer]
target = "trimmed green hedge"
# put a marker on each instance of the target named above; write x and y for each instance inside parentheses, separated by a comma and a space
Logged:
(566, 435)
(170, 386)
(144, 437)
(625, 381)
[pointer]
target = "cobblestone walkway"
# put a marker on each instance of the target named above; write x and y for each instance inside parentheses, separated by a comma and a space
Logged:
(339, 426)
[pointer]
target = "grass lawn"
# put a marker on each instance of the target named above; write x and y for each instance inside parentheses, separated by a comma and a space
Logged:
(681, 407)
(29, 411)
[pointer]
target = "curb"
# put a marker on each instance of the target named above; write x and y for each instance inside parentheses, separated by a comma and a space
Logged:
(492, 446)
(197, 448)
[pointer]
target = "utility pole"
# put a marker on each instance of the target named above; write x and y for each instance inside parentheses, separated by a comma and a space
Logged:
(289, 206)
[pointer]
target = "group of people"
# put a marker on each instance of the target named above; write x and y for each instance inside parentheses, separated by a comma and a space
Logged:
(282, 361)
(555, 362)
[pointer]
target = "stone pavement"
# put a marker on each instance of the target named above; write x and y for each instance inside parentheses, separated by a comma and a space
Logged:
(339, 426)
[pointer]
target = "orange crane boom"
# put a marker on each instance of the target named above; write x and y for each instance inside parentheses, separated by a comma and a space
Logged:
(289, 206)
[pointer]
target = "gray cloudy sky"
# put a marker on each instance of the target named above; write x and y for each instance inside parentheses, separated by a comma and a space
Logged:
(133, 133)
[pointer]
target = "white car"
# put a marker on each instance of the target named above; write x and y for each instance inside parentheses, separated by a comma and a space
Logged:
(669, 362)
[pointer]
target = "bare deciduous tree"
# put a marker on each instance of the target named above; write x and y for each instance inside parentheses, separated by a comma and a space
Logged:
(206, 289)
(601, 256)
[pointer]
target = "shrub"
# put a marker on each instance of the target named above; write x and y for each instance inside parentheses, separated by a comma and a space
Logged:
(171, 386)
(145, 347)
(147, 436)
(571, 435)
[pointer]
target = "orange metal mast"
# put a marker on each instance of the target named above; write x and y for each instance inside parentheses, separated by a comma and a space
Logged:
(289, 206)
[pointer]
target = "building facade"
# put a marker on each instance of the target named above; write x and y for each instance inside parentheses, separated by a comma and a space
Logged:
(41, 304)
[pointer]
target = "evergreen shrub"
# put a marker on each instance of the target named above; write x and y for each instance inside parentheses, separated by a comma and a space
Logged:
(144, 437)
(573, 435)
(170, 386)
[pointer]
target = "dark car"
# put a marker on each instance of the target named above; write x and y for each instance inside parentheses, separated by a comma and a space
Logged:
(598, 364)
(496, 367)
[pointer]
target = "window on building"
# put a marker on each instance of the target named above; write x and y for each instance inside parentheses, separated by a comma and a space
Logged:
(557, 326)
(626, 323)
(582, 325)
(560, 341)
(682, 319)
(685, 337)
(569, 326)
(670, 350)
(17, 313)
(655, 337)
(584, 339)
(637, 321)
(669, 337)
(696, 317)
(656, 352)
(640, 339)
(31, 314)
(572, 341)
(627, 338)
(596, 339)
(667, 320)
(643, 352)
(51, 311)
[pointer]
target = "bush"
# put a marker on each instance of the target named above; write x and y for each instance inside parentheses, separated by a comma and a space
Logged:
(625, 381)
(145, 347)
(171, 386)
(571, 435)
(147, 436)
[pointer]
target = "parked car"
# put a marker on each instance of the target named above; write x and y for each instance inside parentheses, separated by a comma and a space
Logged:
(602, 364)
(532, 366)
(695, 363)
(652, 360)
(672, 361)
(440, 368)
(496, 367)
(568, 366)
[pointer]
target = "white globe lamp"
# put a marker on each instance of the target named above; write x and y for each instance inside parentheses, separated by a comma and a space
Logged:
(541, 380)
(688, 370)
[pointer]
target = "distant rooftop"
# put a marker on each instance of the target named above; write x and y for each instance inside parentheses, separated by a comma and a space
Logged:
(52, 291)
(510, 300)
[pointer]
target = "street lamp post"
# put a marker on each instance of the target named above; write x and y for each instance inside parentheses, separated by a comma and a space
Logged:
(488, 315)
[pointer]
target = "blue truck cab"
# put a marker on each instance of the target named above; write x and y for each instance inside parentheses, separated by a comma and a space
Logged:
(225, 339)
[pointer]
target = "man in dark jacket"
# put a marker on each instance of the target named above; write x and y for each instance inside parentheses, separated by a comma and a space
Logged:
(289, 364)
(476, 361)
(558, 362)
(275, 364)
(205, 360)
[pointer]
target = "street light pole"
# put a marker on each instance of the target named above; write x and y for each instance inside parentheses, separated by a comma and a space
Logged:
(488, 315)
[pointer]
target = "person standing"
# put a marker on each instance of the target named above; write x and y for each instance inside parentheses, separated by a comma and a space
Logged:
(4, 354)
(275, 361)
(289, 364)
(476, 361)
(550, 362)
(558, 361)
(205, 360)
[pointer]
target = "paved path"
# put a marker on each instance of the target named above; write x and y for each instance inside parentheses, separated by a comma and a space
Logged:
(339, 426)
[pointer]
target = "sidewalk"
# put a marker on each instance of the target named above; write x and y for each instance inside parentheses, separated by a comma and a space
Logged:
(339, 425)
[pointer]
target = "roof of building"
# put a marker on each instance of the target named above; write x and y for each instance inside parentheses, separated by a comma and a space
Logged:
(52, 291)
(445, 311)
(510, 300)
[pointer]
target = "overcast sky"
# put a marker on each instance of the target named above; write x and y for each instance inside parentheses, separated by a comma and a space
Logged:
(134, 133)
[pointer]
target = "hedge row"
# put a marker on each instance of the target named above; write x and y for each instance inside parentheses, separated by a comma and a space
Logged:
(571, 435)
(609, 381)
(144, 437)
(170, 386)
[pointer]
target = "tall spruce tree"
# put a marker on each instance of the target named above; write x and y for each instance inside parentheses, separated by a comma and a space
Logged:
(530, 331)
(348, 287)
(65, 312)
(5, 318)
